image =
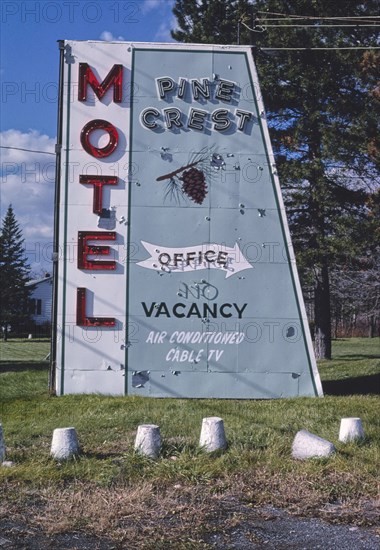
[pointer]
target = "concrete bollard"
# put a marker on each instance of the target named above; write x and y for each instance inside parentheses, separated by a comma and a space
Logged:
(351, 429)
(64, 444)
(2, 445)
(307, 445)
(212, 434)
(148, 440)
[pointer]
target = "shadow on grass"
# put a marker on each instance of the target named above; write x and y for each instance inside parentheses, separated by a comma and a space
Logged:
(363, 385)
(19, 366)
(26, 341)
(114, 454)
(357, 357)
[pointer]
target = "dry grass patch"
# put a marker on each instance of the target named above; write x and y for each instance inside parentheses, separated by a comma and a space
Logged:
(181, 515)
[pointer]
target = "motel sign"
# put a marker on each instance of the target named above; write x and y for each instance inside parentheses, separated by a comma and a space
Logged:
(174, 270)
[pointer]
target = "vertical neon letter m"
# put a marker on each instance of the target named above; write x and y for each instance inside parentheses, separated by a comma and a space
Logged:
(86, 76)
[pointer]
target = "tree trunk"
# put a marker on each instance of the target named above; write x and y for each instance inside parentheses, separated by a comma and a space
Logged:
(322, 315)
(372, 326)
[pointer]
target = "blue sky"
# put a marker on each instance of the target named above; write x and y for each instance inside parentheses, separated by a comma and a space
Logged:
(29, 81)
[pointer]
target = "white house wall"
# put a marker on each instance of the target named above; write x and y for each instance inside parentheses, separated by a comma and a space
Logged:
(42, 291)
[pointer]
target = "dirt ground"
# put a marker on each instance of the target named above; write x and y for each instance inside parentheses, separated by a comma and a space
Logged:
(253, 528)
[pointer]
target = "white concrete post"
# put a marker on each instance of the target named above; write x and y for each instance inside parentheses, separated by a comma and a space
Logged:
(351, 429)
(212, 434)
(148, 440)
(2, 445)
(308, 445)
(64, 444)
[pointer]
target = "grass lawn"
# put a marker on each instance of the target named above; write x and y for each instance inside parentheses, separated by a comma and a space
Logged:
(109, 489)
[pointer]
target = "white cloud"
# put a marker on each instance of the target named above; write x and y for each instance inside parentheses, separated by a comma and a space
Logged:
(164, 6)
(150, 5)
(27, 181)
(163, 31)
(107, 36)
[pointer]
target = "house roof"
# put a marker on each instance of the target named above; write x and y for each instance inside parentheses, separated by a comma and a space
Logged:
(38, 281)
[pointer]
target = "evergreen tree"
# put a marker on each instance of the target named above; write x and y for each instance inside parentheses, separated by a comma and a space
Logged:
(13, 273)
(323, 109)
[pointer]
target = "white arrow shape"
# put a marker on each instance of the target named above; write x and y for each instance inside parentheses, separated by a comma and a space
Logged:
(195, 258)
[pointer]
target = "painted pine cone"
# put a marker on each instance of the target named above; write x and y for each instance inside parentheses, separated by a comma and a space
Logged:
(194, 185)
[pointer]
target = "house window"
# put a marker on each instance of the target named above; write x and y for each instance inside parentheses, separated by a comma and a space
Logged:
(35, 306)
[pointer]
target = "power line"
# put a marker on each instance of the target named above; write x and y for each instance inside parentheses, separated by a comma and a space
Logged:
(324, 48)
(343, 19)
(289, 16)
(320, 18)
(261, 29)
(27, 150)
(264, 25)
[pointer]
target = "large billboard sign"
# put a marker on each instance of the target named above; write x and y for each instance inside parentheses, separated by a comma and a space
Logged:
(175, 274)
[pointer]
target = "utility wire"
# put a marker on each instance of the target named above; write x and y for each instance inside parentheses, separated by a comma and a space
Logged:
(324, 48)
(261, 29)
(289, 16)
(263, 24)
(344, 19)
(28, 150)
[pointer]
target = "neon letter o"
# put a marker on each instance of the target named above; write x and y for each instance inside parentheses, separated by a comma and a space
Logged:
(98, 124)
